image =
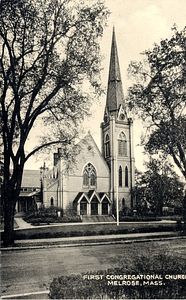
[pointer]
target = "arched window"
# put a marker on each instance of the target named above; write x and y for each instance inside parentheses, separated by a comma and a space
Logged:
(94, 206)
(89, 176)
(120, 176)
(83, 206)
(122, 145)
(85, 178)
(105, 206)
(107, 146)
(51, 201)
(93, 179)
(126, 177)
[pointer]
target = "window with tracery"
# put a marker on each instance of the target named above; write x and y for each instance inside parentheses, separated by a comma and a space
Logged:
(126, 177)
(89, 176)
(85, 178)
(107, 146)
(122, 145)
(120, 176)
(93, 179)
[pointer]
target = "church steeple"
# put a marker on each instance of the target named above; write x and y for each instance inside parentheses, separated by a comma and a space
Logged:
(117, 137)
(115, 96)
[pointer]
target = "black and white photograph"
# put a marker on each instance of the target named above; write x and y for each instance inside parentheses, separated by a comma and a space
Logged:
(93, 149)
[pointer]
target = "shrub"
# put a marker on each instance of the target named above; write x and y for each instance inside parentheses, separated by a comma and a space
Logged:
(179, 226)
(126, 211)
(124, 218)
(76, 287)
(70, 211)
(50, 215)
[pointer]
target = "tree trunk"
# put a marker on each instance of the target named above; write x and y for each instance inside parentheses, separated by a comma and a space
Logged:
(184, 214)
(11, 190)
(9, 208)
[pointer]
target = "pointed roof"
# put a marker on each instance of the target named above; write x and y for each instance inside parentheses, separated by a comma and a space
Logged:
(115, 95)
(31, 178)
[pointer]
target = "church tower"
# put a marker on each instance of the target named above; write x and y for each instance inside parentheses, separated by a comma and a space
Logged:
(117, 136)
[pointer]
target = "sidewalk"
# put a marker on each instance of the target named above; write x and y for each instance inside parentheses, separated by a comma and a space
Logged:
(22, 224)
(92, 240)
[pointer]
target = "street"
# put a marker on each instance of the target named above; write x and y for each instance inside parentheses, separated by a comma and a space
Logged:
(26, 271)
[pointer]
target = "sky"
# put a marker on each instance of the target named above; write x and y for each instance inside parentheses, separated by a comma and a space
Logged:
(138, 25)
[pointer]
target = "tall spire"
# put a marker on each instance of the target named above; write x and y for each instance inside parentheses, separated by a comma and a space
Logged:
(115, 95)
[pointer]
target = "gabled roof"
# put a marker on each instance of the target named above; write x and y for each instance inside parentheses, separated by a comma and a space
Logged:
(90, 192)
(89, 196)
(101, 195)
(115, 95)
(84, 140)
(78, 196)
(31, 178)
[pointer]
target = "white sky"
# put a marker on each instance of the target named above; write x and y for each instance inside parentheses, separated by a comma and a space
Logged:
(138, 24)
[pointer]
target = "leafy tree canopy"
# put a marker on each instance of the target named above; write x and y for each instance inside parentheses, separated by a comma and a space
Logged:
(49, 49)
(157, 187)
(159, 97)
(49, 57)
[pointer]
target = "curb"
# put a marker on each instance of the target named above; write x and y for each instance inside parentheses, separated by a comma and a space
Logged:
(25, 294)
(94, 243)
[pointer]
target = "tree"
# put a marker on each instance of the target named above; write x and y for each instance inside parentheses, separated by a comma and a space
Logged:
(158, 187)
(159, 96)
(49, 53)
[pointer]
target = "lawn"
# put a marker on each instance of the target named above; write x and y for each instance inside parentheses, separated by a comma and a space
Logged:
(92, 230)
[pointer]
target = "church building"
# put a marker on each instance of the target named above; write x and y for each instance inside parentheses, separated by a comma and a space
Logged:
(99, 178)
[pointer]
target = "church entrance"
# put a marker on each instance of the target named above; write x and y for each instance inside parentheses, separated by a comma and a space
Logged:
(94, 206)
(83, 207)
(105, 204)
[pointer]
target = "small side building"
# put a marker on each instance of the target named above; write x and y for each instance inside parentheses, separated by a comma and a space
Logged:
(30, 193)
